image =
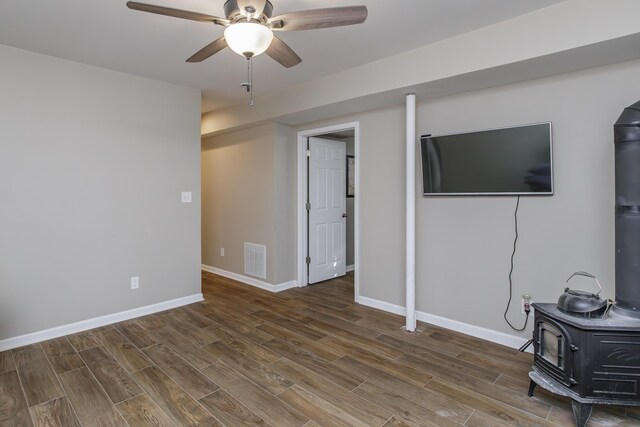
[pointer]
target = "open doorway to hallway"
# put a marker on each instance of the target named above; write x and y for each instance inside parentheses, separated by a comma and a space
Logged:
(327, 188)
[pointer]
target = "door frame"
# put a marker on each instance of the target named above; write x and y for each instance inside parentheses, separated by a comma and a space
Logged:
(301, 160)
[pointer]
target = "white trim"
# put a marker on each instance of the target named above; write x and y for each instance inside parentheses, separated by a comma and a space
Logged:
(384, 306)
(356, 212)
(286, 285)
(454, 325)
(410, 251)
(473, 330)
(301, 199)
(251, 281)
(351, 267)
(83, 325)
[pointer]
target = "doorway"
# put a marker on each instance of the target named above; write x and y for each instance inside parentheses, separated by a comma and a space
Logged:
(348, 133)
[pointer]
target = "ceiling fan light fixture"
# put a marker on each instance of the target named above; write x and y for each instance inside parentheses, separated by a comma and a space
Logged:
(248, 38)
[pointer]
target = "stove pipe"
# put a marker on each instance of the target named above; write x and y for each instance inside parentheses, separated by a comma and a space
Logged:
(627, 167)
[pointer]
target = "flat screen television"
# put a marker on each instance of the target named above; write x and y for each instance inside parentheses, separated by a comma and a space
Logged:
(515, 160)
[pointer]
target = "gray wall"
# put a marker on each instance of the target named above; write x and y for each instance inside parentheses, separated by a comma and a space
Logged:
(464, 243)
(285, 208)
(248, 195)
(92, 163)
(381, 197)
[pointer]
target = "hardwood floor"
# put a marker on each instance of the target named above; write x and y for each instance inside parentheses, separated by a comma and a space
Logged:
(303, 357)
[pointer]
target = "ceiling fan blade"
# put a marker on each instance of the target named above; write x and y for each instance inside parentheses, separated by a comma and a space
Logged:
(282, 53)
(176, 13)
(319, 18)
(209, 50)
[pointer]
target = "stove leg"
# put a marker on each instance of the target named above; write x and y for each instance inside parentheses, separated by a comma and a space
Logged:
(582, 412)
(532, 386)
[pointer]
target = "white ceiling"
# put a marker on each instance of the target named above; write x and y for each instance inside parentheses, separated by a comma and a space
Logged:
(107, 34)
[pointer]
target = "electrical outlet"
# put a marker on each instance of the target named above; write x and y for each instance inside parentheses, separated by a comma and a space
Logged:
(135, 282)
(526, 300)
(221, 251)
(186, 197)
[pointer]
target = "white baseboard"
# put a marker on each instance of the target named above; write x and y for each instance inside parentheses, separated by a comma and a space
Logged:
(286, 285)
(251, 281)
(465, 328)
(351, 267)
(95, 322)
(381, 305)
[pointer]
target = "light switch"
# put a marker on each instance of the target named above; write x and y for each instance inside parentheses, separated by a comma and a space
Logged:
(186, 197)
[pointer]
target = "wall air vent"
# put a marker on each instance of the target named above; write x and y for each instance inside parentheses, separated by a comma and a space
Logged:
(255, 260)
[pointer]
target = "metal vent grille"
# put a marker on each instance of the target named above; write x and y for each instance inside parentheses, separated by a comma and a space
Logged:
(255, 260)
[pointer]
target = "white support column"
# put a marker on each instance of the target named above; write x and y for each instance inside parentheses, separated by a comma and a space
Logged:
(411, 214)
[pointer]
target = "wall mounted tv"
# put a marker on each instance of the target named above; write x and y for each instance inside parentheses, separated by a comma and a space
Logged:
(507, 161)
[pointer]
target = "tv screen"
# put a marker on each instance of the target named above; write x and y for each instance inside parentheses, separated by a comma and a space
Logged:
(507, 161)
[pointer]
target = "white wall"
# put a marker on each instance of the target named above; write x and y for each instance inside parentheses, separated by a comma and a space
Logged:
(92, 163)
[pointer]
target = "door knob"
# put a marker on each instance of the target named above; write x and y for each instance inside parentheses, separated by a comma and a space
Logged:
(344, 215)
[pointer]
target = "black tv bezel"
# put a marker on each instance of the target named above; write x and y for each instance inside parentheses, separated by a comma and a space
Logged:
(524, 193)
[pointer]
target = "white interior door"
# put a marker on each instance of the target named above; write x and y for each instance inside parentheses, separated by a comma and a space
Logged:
(328, 209)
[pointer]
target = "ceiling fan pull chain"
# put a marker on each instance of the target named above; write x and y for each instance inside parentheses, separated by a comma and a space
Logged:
(248, 85)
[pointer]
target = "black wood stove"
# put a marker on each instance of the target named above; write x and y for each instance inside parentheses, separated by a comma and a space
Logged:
(593, 357)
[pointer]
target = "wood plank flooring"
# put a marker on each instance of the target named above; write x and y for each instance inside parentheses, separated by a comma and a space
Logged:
(304, 357)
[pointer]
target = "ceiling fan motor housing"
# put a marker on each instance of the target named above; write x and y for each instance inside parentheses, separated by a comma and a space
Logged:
(232, 12)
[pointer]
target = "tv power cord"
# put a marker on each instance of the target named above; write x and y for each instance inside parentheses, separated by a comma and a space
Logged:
(527, 298)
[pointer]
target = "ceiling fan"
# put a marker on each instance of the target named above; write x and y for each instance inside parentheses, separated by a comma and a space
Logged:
(250, 26)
